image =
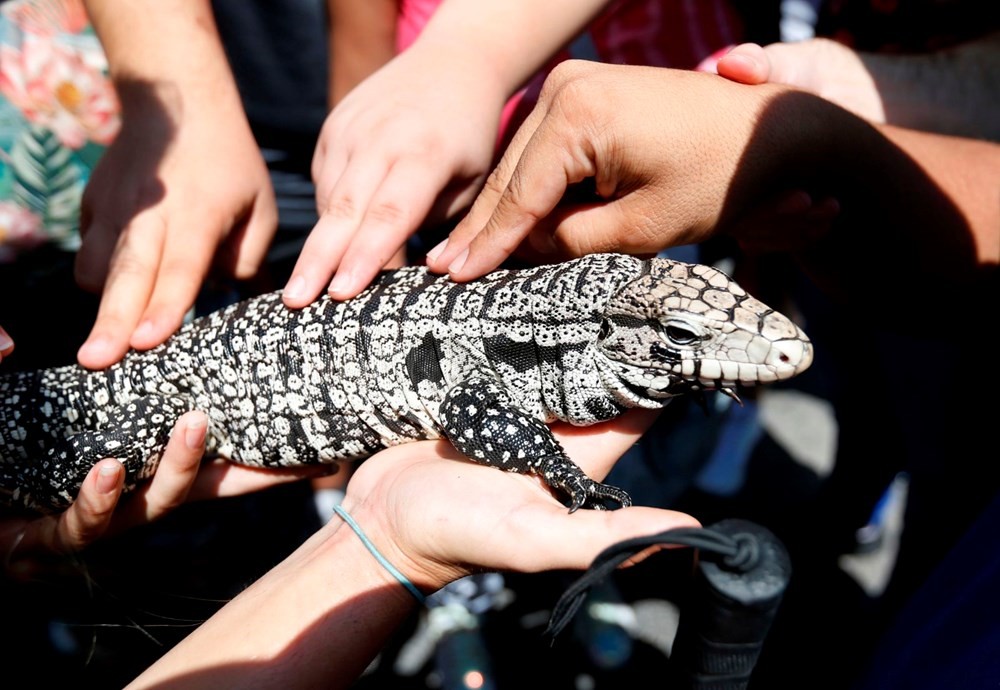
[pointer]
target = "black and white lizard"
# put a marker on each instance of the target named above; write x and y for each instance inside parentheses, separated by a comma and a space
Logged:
(486, 364)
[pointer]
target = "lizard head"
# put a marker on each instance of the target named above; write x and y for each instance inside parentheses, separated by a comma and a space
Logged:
(682, 327)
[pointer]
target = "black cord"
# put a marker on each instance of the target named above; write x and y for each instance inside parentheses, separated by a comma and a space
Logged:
(739, 552)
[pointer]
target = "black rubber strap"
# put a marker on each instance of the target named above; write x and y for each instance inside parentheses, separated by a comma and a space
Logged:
(738, 553)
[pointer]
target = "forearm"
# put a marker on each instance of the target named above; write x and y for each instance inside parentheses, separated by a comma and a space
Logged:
(362, 39)
(317, 619)
(507, 41)
(966, 173)
(933, 199)
(954, 91)
(170, 49)
(917, 208)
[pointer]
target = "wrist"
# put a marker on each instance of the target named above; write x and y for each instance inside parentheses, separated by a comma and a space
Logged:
(512, 40)
(424, 572)
(462, 69)
(329, 588)
(377, 554)
(161, 42)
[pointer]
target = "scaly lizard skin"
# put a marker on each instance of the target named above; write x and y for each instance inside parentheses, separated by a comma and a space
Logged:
(486, 364)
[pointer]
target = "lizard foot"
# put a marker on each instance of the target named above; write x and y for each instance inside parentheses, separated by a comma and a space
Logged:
(561, 473)
(483, 423)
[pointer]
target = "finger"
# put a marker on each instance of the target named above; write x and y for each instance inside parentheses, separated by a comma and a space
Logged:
(91, 263)
(456, 197)
(560, 540)
(85, 521)
(184, 262)
(440, 257)
(552, 160)
(395, 212)
(131, 275)
(88, 518)
(397, 260)
(710, 63)
(331, 154)
(341, 212)
(221, 478)
(248, 244)
(747, 63)
(175, 475)
(626, 225)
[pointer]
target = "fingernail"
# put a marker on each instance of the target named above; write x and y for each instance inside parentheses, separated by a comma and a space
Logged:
(95, 347)
(107, 477)
(295, 288)
(456, 265)
(433, 254)
(339, 284)
(194, 434)
(144, 331)
(709, 63)
(738, 57)
(6, 342)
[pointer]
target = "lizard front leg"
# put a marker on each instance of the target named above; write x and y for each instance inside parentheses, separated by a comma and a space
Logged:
(482, 421)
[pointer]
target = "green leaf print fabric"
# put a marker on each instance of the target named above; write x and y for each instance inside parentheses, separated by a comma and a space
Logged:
(58, 112)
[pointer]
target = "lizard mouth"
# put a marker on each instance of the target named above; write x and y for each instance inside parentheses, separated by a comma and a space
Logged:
(784, 360)
(660, 384)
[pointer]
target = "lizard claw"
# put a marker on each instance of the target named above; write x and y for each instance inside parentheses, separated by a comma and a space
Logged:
(586, 493)
(601, 493)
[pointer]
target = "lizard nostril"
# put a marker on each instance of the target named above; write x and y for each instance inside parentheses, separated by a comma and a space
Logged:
(784, 358)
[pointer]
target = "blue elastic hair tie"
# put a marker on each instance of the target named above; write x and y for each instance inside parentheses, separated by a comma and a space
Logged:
(410, 587)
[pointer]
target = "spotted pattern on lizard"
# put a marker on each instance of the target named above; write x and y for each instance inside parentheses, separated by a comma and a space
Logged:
(486, 364)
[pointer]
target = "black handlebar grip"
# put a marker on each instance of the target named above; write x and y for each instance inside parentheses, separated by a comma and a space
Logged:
(728, 614)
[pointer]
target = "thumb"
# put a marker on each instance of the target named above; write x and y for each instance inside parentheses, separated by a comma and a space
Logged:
(627, 225)
(247, 246)
(747, 63)
(572, 542)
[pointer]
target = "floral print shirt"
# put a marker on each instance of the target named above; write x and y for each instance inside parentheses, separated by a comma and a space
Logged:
(58, 112)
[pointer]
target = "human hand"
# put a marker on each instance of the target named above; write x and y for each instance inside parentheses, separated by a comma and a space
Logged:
(674, 178)
(32, 543)
(182, 183)
(28, 542)
(793, 212)
(437, 516)
(821, 66)
(414, 140)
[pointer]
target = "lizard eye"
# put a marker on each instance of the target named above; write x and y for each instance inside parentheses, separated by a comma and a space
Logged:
(680, 334)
